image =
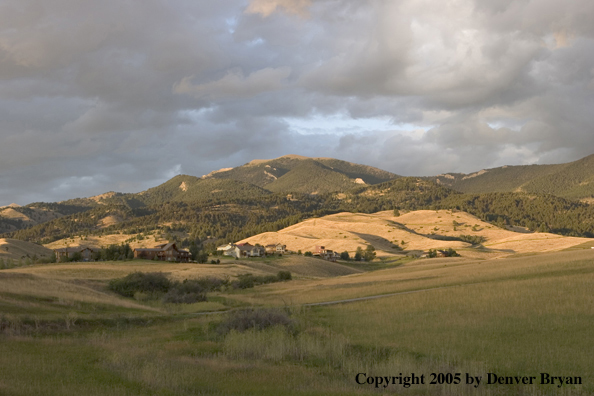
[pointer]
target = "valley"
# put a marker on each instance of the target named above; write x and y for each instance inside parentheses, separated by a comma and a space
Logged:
(65, 329)
(517, 300)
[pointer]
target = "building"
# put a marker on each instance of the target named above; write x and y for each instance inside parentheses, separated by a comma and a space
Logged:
(163, 252)
(230, 249)
(86, 253)
(248, 250)
(242, 250)
(326, 254)
(276, 249)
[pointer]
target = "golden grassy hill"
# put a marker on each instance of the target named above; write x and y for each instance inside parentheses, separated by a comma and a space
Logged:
(347, 231)
(15, 249)
(98, 241)
(37, 216)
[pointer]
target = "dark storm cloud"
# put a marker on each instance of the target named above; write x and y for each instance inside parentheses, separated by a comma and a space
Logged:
(98, 96)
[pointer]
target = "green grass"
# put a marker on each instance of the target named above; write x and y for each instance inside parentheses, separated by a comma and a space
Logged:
(528, 315)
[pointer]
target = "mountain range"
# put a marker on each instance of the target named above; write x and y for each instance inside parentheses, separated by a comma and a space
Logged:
(263, 195)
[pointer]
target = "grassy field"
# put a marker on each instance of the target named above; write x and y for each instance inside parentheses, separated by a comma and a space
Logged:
(62, 332)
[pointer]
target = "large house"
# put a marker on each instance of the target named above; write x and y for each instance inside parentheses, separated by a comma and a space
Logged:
(163, 252)
(276, 249)
(230, 249)
(248, 250)
(242, 250)
(326, 254)
(86, 253)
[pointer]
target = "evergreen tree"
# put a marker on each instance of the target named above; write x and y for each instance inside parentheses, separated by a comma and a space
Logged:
(358, 254)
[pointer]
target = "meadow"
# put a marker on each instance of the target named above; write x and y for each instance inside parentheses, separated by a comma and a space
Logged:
(63, 332)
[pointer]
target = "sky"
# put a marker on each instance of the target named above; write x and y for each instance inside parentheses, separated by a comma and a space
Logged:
(121, 95)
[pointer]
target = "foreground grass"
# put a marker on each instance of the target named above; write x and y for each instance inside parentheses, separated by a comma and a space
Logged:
(512, 317)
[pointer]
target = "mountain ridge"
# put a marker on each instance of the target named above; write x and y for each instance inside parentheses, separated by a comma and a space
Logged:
(294, 188)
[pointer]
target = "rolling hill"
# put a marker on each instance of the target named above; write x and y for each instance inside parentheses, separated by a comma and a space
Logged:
(15, 249)
(413, 232)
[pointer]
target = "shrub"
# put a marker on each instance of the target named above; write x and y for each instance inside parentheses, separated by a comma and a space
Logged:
(473, 239)
(186, 292)
(244, 281)
(149, 282)
(258, 319)
(344, 255)
(212, 284)
(284, 276)
(308, 254)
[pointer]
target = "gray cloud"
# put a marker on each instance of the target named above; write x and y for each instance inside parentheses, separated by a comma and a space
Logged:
(98, 96)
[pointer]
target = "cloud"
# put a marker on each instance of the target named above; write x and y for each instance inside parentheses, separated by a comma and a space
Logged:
(268, 7)
(235, 85)
(98, 96)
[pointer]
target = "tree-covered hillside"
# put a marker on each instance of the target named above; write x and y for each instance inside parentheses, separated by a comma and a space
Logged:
(331, 174)
(226, 209)
(574, 180)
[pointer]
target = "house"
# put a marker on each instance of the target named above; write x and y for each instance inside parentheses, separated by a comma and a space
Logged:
(230, 249)
(276, 249)
(163, 252)
(319, 251)
(86, 253)
(326, 254)
(242, 250)
(248, 250)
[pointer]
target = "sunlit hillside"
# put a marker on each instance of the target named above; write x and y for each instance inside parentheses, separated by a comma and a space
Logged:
(412, 232)
(15, 249)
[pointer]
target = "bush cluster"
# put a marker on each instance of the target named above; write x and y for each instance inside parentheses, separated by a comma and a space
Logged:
(141, 282)
(247, 281)
(258, 319)
(156, 285)
(473, 239)
(186, 292)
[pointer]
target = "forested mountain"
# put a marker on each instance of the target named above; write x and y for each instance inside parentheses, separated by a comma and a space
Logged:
(293, 173)
(282, 192)
(574, 180)
(183, 188)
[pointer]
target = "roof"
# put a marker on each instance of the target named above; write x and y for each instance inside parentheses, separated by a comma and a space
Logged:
(244, 247)
(159, 248)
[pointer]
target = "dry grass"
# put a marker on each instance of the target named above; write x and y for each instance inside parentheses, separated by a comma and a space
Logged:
(98, 241)
(348, 231)
(15, 249)
(38, 216)
(110, 270)
(66, 293)
(302, 267)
